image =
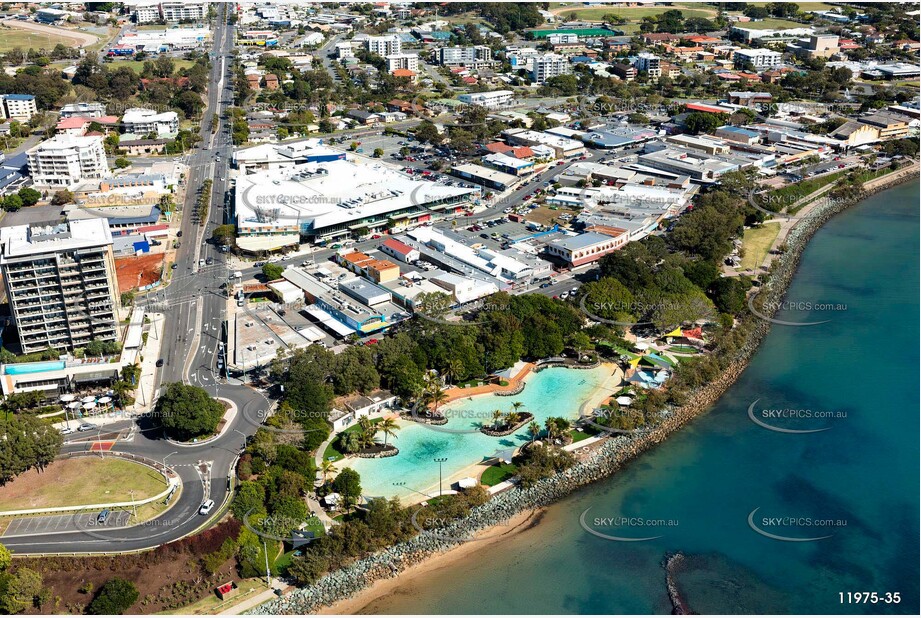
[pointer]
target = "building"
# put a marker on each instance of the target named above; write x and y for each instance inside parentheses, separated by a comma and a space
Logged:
(549, 65)
(750, 99)
(626, 72)
(384, 45)
(738, 134)
(563, 147)
(474, 57)
(141, 121)
(66, 160)
(703, 143)
(183, 10)
(144, 11)
(492, 100)
(19, 107)
(890, 126)
(650, 63)
(84, 110)
(344, 50)
(279, 203)
(509, 165)
(816, 46)
(586, 248)
(408, 62)
(400, 250)
(759, 58)
(60, 283)
(485, 176)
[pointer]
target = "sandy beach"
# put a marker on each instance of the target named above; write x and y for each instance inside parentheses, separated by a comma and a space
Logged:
(401, 585)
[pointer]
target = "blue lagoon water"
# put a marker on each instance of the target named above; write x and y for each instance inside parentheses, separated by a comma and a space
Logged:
(552, 392)
(704, 481)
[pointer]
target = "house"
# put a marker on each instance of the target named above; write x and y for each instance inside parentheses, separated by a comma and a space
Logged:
(271, 81)
(140, 147)
(363, 117)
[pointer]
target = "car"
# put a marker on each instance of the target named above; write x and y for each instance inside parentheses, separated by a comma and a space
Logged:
(179, 234)
(544, 285)
(87, 427)
(206, 507)
(484, 235)
(159, 362)
(209, 261)
(564, 296)
(103, 516)
(375, 236)
(67, 431)
(174, 266)
(336, 246)
(201, 262)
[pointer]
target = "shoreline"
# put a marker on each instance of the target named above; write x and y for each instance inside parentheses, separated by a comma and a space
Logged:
(382, 589)
(361, 579)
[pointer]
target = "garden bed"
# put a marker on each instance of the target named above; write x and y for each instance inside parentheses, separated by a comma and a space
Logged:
(527, 417)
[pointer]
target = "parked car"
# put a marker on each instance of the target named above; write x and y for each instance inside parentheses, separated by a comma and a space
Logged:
(103, 516)
(87, 427)
(159, 362)
(65, 431)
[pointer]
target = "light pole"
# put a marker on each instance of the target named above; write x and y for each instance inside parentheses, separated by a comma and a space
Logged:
(268, 579)
(167, 457)
(439, 461)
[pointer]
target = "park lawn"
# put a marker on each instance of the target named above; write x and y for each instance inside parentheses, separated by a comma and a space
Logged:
(11, 38)
(578, 435)
(756, 242)
(771, 23)
(634, 14)
(495, 474)
(138, 65)
(803, 6)
(84, 480)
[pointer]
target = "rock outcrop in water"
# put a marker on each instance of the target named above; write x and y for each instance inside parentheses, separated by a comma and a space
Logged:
(602, 462)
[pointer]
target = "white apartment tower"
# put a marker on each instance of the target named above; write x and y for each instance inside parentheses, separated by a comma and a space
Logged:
(60, 282)
(384, 45)
(549, 65)
(649, 63)
(66, 160)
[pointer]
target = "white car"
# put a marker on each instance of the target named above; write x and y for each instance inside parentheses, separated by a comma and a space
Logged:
(206, 507)
(65, 431)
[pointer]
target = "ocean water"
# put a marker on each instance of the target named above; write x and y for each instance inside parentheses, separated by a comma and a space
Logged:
(854, 483)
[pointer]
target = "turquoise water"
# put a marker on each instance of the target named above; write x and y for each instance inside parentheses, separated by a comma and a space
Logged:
(707, 478)
(552, 392)
(17, 370)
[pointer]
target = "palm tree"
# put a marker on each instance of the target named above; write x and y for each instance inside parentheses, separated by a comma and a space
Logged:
(366, 431)
(512, 418)
(328, 468)
(550, 426)
(496, 415)
(517, 405)
(534, 430)
(388, 427)
(436, 396)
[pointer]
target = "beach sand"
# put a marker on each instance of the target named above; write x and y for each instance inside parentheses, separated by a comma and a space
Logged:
(384, 589)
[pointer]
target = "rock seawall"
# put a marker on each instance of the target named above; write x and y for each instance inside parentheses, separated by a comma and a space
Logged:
(606, 459)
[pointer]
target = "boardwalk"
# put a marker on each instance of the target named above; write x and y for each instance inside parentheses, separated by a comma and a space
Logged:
(459, 393)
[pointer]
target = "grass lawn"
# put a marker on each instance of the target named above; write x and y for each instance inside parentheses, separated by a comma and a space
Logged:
(138, 65)
(631, 13)
(213, 605)
(11, 38)
(333, 452)
(493, 475)
(579, 435)
(803, 6)
(686, 349)
(756, 242)
(799, 190)
(772, 23)
(85, 480)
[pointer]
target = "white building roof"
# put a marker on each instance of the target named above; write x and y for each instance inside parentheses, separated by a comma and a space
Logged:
(25, 240)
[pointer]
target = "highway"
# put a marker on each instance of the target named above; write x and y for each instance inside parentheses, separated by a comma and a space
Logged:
(193, 306)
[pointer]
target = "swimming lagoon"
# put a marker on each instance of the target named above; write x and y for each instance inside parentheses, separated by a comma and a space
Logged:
(555, 391)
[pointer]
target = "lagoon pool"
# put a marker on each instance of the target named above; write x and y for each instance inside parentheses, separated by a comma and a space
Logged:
(552, 392)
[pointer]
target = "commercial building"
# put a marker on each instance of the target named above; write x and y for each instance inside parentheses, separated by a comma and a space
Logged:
(563, 147)
(335, 199)
(650, 63)
(384, 45)
(549, 65)
(738, 134)
(274, 157)
(140, 121)
(485, 176)
(509, 165)
(586, 248)
(702, 143)
(474, 57)
(19, 107)
(759, 58)
(60, 282)
(492, 100)
(66, 160)
(367, 266)
(408, 62)
(816, 46)
(699, 167)
(164, 41)
(400, 250)
(499, 265)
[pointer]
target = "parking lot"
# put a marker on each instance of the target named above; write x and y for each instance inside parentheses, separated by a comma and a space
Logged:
(71, 522)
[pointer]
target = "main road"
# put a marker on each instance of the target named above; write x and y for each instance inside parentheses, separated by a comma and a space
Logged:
(193, 308)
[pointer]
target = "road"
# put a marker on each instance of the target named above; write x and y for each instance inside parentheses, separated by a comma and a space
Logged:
(193, 307)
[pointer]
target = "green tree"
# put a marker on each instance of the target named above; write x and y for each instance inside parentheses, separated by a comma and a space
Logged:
(114, 597)
(188, 412)
(29, 196)
(64, 196)
(19, 590)
(122, 163)
(6, 558)
(272, 271)
(348, 484)
(12, 203)
(702, 122)
(250, 496)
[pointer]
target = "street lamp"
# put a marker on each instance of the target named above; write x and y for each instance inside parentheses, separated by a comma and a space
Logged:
(167, 457)
(439, 461)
